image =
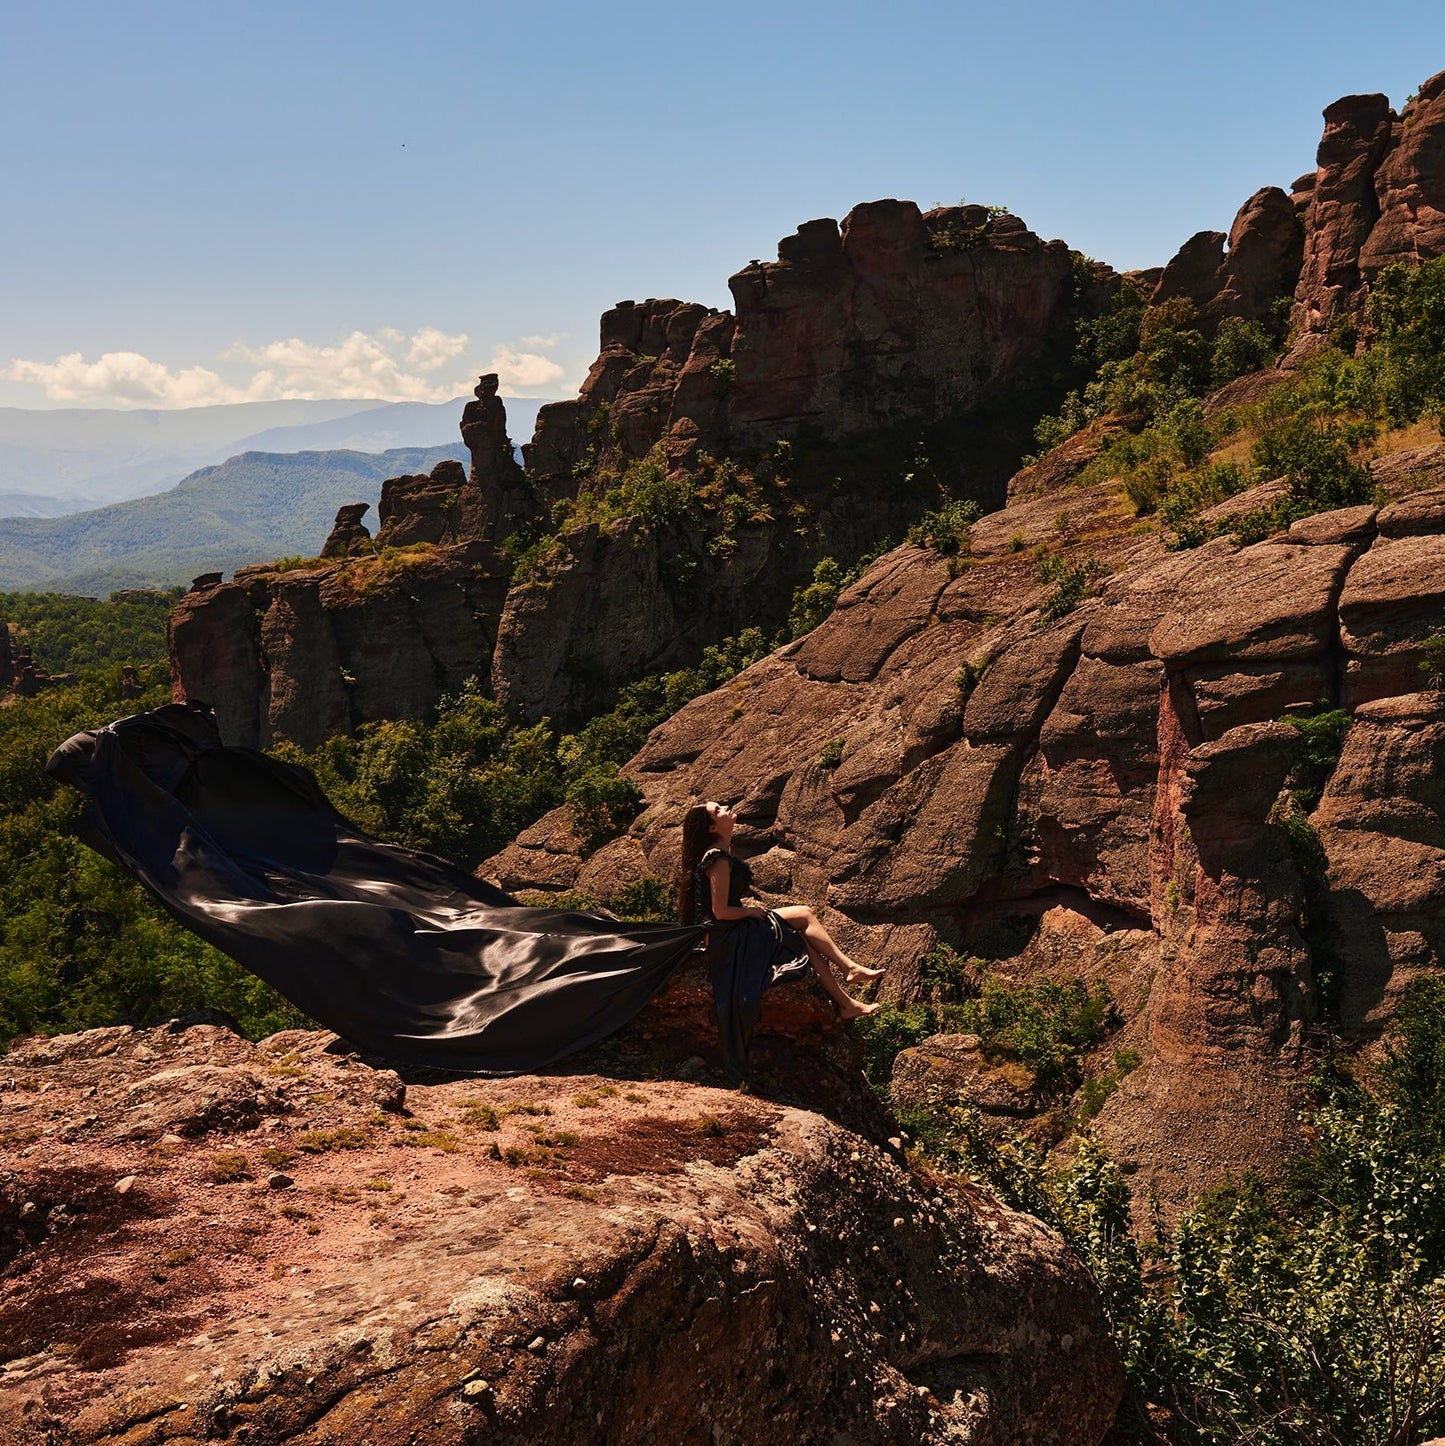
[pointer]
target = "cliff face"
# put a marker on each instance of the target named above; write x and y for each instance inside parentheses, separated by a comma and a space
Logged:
(899, 335)
(1093, 795)
(205, 1238)
(307, 653)
(894, 337)
(1376, 196)
(896, 319)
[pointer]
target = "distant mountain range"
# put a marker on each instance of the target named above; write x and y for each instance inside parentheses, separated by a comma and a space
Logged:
(67, 460)
(252, 508)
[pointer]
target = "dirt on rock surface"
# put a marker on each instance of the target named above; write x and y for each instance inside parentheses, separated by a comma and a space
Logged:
(204, 1238)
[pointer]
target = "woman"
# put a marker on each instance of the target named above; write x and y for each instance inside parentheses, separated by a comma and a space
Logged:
(713, 891)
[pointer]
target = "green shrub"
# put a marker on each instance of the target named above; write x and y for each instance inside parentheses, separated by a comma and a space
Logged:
(831, 753)
(1313, 457)
(887, 1032)
(1073, 580)
(814, 601)
(649, 900)
(1407, 308)
(603, 802)
(947, 530)
(1308, 1309)
(1432, 661)
(1240, 347)
(1324, 738)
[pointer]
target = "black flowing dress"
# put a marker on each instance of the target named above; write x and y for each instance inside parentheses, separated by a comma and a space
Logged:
(397, 951)
(746, 957)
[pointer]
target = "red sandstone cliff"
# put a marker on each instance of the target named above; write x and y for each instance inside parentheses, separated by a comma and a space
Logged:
(1099, 801)
(1376, 196)
(894, 349)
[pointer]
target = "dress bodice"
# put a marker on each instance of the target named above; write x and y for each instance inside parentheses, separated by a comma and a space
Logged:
(740, 881)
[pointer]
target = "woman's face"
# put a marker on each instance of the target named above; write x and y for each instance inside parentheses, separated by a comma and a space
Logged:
(722, 819)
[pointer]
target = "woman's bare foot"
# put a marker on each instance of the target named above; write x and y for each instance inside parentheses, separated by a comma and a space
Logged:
(857, 974)
(855, 1009)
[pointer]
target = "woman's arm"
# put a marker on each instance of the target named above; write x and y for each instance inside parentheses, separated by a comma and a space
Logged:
(719, 876)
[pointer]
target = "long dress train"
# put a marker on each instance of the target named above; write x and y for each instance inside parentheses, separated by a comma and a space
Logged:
(397, 951)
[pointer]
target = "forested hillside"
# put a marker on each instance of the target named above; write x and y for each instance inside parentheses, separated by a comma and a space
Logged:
(253, 508)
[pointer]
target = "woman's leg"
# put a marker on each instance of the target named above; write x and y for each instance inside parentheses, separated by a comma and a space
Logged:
(848, 1007)
(807, 923)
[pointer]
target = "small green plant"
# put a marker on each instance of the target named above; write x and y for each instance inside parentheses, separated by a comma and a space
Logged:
(1324, 734)
(227, 1168)
(946, 976)
(648, 900)
(603, 802)
(968, 676)
(1432, 662)
(948, 530)
(724, 369)
(831, 754)
(1072, 580)
(813, 602)
(709, 1126)
(478, 1115)
(344, 1137)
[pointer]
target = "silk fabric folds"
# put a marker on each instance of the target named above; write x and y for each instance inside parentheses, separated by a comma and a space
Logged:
(398, 952)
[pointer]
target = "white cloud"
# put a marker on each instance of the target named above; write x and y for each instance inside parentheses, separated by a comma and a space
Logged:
(523, 368)
(386, 364)
(124, 376)
(544, 343)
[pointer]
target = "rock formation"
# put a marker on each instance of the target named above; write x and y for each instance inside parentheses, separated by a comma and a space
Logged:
(897, 349)
(1376, 196)
(21, 675)
(1260, 268)
(348, 534)
(896, 319)
(1094, 795)
(305, 653)
(205, 1238)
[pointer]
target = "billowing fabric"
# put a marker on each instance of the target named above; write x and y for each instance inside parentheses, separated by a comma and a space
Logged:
(398, 952)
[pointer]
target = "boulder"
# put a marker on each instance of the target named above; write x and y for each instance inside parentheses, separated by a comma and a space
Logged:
(582, 1255)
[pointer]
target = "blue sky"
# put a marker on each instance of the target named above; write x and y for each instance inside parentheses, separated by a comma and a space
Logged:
(370, 199)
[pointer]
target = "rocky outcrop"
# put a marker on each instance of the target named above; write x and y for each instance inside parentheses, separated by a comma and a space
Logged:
(312, 651)
(348, 534)
(898, 351)
(887, 355)
(1260, 268)
(1096, 795)
(896, 319)
(1378, 197)
(205, 1238)
(21, 675)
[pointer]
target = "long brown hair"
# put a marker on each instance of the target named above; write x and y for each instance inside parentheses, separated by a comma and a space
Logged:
(697, 836)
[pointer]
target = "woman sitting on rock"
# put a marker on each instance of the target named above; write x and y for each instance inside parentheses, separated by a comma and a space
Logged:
(713, 889)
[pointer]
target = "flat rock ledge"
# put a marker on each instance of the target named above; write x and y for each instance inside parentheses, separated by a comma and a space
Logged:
(203, 1238)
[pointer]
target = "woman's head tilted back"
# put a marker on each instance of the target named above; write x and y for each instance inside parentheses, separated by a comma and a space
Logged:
(700, 832)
